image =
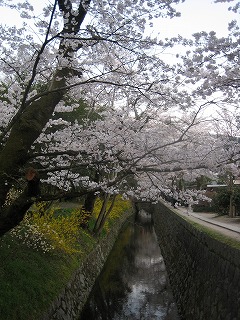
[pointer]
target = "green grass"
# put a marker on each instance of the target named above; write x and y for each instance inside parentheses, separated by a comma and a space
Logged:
(215, 234)
(218, 235)
(30, 280)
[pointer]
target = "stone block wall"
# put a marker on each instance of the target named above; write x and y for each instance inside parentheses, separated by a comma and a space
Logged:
(70, 302)
(204, 273)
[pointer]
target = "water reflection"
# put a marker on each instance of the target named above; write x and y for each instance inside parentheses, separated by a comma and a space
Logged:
(133, 284)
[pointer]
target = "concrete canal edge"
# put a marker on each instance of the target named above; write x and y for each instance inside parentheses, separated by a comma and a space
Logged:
(69, 303)
(204, 273)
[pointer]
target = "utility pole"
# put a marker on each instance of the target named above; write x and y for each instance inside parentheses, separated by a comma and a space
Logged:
(231, 202)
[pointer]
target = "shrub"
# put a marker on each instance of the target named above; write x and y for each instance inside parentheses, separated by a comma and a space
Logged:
(46, 230)
(203, 208)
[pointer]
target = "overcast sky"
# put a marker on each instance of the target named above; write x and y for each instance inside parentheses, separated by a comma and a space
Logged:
(199, 15)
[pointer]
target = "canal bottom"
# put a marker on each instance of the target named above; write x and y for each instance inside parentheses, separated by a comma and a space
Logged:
(133, 283)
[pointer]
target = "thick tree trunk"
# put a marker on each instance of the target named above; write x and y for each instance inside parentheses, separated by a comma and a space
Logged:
(89, 202)
(15, 213)
(14, 155)
(30, 123)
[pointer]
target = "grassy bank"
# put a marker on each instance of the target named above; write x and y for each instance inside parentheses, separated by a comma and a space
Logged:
(217, 235)
(213, 233)
(33, 271)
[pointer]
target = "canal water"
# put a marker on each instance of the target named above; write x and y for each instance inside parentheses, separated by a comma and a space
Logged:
(133, 283)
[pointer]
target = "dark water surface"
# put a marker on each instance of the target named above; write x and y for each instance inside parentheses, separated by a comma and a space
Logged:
(134, 283)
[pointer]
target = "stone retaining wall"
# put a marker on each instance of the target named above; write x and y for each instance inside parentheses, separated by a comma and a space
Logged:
(204, 273)
(70, 302)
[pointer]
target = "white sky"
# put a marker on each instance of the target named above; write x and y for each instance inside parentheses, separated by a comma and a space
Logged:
(197, 15)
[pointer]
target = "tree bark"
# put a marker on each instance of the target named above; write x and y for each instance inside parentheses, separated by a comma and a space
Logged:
(101, 213)
(104, 218)
(104, 213)
(89, 203)
(14, 155)
(15, 213)
(32, 120)
(231, 212)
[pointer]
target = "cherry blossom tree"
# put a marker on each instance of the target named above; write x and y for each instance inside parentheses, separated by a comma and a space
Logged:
(211, 64)
(59, 57)
(100, 52)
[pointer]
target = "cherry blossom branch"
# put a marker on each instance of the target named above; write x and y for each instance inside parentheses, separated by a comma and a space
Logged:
(88, 81)
(167, 170)
(31, 80)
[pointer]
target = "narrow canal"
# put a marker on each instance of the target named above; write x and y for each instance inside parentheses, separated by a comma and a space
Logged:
(133, 283)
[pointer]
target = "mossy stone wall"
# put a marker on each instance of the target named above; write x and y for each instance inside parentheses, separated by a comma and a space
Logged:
(70, 302)
(204, 273)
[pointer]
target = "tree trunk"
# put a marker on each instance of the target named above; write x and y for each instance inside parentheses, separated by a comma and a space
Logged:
(15, 213)
(32, 120)
(104, 218)
(87, 209)
(23, 134)
(89, 203)
(101, 213)
(231, 202)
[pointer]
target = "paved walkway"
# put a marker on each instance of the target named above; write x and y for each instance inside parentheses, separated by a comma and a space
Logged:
(224, 224)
